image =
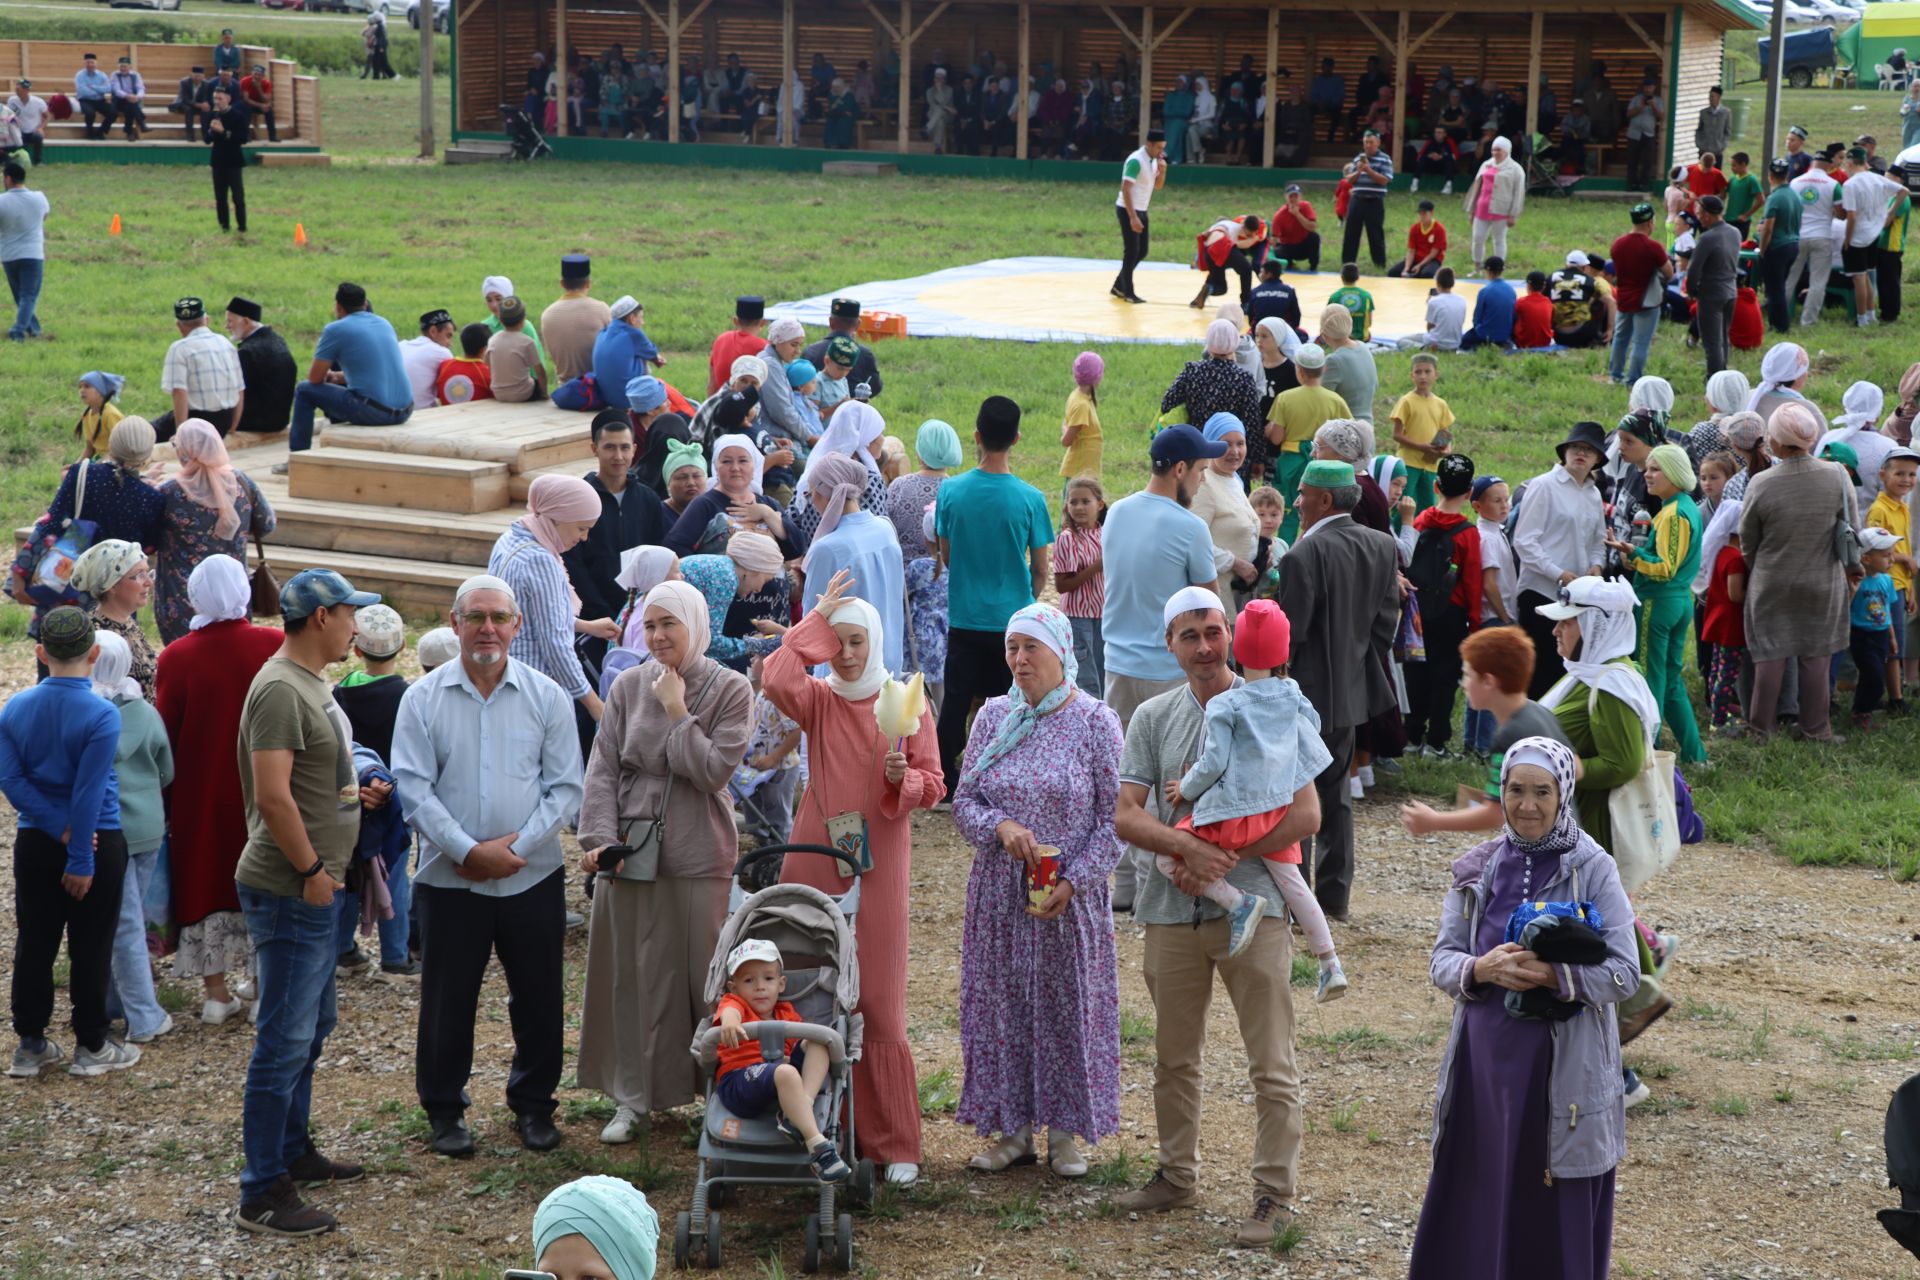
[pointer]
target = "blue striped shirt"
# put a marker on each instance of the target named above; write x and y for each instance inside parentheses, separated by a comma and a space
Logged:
(1382, 164)
(539, 583)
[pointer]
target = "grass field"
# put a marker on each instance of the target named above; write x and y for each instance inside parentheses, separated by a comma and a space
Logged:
(686, 242)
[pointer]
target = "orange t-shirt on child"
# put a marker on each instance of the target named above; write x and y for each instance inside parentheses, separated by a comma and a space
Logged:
(747, 1052)
(1237, 833)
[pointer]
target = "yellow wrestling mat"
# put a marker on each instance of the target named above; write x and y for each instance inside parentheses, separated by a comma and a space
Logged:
(1045, 299)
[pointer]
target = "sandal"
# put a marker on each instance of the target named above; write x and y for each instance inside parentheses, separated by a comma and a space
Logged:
(1016, 1148)
(1063, 1155)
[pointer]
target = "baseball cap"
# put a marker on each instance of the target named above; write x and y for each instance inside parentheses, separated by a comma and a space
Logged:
(66, 633)
(1293, 188)
(1578, 258)
(311, 590)
(1872, 538)
(1589, 593)
(380, 632)
(751, 949)
(1181, 442)
(1310, 355)
(437, 648)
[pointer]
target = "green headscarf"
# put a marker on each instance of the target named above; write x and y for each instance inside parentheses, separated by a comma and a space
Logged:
(612, 1214)
(938, 445)
(1675, 465)
(683, 453)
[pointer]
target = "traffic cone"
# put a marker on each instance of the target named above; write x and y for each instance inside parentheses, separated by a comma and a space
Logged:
(114, 230)
(299, 235)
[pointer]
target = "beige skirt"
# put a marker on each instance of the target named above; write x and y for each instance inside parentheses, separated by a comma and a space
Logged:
(648, 950)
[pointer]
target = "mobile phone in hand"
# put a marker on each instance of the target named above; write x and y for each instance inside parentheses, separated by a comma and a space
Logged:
(610, 859)
(517, 1273)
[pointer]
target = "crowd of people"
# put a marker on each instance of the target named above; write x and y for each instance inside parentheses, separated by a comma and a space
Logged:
(1172, 702)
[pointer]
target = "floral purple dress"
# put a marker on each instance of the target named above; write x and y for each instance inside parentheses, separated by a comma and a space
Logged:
(1040, 999)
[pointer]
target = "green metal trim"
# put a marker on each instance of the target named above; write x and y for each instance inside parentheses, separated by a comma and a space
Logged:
(1673, 89)
(82, 153)
(1743, 17)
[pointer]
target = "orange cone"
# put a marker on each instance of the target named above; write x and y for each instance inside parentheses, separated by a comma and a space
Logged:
(299, 235)
(114, 230)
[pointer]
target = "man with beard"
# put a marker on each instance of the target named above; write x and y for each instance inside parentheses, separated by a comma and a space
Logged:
(1153, 546)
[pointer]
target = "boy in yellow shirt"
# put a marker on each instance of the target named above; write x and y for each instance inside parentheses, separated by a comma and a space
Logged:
(1423, 428)
(1891, 512)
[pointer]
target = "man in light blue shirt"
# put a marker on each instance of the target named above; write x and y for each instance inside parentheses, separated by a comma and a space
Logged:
(23, 248)
(369, 387)
(91, 87)
(487, 763)
(127, 96)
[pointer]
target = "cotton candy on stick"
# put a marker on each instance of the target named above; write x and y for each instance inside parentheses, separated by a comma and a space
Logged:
(899, 708)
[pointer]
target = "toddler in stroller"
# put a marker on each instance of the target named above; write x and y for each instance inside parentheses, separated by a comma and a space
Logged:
(751, 1087)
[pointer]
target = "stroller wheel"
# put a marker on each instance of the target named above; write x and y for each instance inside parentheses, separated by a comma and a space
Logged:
(682, 1240)
(713, 1241)
(810, 1259)
(843, 1243)
(860, 1189)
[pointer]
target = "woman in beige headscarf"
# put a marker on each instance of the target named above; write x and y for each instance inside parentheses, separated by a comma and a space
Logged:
(212, 509)
(1349, 372)
(671, 735)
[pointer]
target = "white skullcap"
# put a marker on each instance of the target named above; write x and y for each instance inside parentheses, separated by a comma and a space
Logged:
(496, 284)
(437, 648)
(485, 582)
(624, 306)
(1188, 600)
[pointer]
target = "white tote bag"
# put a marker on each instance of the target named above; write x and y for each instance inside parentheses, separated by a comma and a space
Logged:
(1646, 828)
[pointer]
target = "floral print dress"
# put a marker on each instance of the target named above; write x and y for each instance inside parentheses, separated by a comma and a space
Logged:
(187, 538)
(1040, 999)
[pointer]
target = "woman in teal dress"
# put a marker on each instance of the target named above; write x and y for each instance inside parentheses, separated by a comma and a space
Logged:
(1177, 111)
(1663, 572)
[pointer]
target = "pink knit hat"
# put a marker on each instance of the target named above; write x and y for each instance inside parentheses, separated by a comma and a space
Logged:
(1262, 636)
(1088, 369)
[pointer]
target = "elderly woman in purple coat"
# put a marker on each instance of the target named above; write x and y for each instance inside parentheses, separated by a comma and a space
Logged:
(1039, 983)
(1529, 1121)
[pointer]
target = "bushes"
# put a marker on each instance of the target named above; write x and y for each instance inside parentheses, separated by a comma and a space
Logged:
(337, 51)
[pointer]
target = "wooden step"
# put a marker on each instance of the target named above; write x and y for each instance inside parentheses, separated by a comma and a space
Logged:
(410, 481)
(440, 537)
(526, 437)
(295, 159)
(419, 588)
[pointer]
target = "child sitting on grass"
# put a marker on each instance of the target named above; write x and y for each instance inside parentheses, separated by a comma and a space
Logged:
(1423, 428)
(750, 1086)
(1262, 745)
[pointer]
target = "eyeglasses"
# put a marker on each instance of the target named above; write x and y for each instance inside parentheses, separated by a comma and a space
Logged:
(498, 617)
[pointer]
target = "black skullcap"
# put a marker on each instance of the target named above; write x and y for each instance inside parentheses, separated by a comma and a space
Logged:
(731, 413)
(576, 266)
(435, 318)
(1454, 475)
(846, 309)
(66, 633)
(749, 308)
(247, 307)
(189, 309)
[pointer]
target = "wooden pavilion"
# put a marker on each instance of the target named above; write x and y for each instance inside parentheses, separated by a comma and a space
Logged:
(1517, 42)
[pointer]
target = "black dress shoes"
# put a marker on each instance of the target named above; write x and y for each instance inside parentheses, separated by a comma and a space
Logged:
(451, 1137)
(537, 1132)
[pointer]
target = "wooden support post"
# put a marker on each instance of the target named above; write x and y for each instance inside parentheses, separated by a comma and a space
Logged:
(1664, 139)
(789, 121)
(1023, 83)
(673, 69)
(1532, 98)
(906, 72)
(1273, 86)
(1397, 143)
(1146, 73)
(426, 77)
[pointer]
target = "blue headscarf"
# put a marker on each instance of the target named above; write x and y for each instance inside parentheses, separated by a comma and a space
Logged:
(1222, 425)
(938, 445)
(107, 384)
(645, 393)
(612, 1214)
(1050, 627)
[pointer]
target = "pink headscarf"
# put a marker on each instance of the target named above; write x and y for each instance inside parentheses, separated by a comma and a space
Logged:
(1793, 425)
(842, 479)
(206, 475)
(1088, 369)
(552, 498)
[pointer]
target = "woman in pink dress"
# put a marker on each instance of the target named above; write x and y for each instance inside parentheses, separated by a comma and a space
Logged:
(853, 769)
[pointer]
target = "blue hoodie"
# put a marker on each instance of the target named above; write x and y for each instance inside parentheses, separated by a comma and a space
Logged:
(57, 742)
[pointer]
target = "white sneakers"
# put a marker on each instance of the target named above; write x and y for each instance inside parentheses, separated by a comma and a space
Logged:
(903, 1174)
(1355, 789)
(166, 1025)
(622, 1127)
(27, 1062)
(111, 1056)
(215, 1012)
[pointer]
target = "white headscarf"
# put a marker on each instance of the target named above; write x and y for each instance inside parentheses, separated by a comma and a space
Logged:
(1727, 391)
(644, 568)
(496, 284)
(1725, 523)
(854, 611)
(852, 425)
(219, 591)
(684, 601)
(1651, 393)
(1205, 105)
(1784, 364)
(1608, 631)
(110, 678)
(1283, 336)
(1862, 402)
(737, 441)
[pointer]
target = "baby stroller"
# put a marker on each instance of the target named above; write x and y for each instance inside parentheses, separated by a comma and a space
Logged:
(1543, 171)
(525, 136)
(814, 933)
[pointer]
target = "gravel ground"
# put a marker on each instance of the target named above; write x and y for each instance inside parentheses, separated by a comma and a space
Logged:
(1759, 1157)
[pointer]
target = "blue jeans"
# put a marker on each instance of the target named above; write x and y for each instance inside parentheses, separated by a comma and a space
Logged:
(130, 994)
(23, 280)
(1091, 654)
(1478, 730)
(393, 933)
(1635, 329)
(341, 405)
(293, 958)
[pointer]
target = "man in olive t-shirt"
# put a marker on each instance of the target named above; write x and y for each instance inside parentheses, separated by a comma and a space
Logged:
(303, 818)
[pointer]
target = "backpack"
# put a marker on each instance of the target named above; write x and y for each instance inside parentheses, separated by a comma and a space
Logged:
(1434, 575)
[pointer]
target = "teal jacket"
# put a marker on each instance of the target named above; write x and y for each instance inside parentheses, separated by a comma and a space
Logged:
(144, 763)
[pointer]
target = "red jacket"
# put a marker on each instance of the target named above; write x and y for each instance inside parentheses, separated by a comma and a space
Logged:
(1466, 558)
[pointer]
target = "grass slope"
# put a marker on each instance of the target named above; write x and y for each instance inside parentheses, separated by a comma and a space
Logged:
(686, 242)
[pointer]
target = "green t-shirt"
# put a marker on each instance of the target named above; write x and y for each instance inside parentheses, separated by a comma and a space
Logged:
(991, 521)
(1783, 206)
(1743, 196)
(291, 709)
(1358, 301)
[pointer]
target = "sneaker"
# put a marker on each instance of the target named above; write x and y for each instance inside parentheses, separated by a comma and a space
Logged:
(215, 1012)
(1333, 982)
(147, 1037)
(1267, 1218)
(1634, 1087)
(575, 920)
(1366, 775)
(280, 469)
(351, 962)
(244, 989)
(1415, 186)
(1243, 922)
(312, 1167)
(411, 969)
(27, 1062)
(1668, 944)
(621, 1128)
(786, 1127)
(1447, 190)
(281, 1212)
(827, 1164)
(1355, 788)
(1158, 1196)
(110, 1056)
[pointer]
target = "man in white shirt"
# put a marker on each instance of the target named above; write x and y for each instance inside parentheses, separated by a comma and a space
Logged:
(1867, 198)
(1558, 535)
(30, 116)
(423, 355)
(23, 249)
(1819, 197)
(1143, 173)
(201, 374)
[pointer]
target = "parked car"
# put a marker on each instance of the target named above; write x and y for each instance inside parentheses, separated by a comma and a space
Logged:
(381, 7)
(1803, 53)
(144, 4)
(299, 5)
(441, 12)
